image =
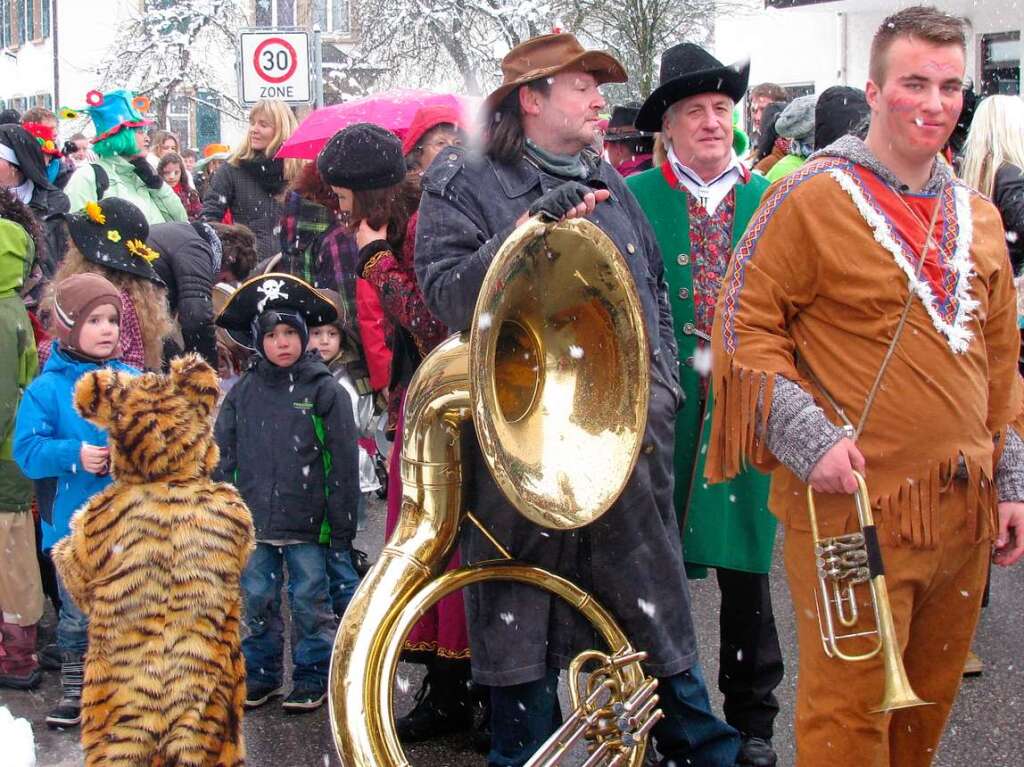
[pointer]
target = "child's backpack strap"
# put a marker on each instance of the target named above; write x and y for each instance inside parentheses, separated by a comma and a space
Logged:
(325, 454)
(102, 180)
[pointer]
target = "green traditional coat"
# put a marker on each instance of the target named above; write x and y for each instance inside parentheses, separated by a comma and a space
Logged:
(725, 525)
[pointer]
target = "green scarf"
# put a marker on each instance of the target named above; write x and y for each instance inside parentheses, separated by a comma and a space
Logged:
(561, 165)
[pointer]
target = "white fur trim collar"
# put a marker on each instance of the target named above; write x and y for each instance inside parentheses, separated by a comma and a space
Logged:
(955, 329)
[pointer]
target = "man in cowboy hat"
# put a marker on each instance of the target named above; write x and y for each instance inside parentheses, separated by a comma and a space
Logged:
(628, 150)
(699, 203)
(538, 160)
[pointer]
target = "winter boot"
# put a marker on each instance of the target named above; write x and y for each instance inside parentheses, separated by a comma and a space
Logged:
(443, 704)
(68, 712)
(19, 668)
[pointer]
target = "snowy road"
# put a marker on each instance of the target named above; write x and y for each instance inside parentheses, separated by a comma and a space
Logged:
(984, 728)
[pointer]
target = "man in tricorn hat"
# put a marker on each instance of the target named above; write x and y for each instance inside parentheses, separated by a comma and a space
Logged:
(538, 159)
(628, 150)
(699, 203)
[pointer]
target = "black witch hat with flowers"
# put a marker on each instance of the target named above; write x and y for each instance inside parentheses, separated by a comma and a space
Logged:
(113, 233)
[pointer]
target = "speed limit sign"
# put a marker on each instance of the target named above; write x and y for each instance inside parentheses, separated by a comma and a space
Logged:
(275, 65)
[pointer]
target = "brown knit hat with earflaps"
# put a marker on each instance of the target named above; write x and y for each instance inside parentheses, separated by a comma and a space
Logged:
(73, 301)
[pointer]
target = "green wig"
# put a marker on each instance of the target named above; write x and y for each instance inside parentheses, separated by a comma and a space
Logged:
(121, 143)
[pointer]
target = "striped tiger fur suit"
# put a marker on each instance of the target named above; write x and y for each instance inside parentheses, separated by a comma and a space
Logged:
(155, 561)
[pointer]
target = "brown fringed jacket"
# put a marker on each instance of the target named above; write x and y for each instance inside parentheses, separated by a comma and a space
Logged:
(818, 284)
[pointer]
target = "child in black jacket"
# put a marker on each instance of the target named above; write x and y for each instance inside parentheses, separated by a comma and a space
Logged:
(288, 442)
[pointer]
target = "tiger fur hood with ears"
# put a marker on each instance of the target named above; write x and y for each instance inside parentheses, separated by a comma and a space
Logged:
(155, 561)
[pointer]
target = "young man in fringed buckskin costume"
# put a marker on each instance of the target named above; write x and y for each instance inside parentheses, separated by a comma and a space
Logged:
(699, 203)
(808, 312)
(538, 160)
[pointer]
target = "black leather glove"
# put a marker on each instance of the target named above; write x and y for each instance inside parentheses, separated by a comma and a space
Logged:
(146, 172)
(555, 204)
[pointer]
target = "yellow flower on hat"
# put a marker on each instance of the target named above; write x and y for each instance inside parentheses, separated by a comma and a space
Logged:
(95, 213)
(113, 235)
(67, 113)
(142, 250)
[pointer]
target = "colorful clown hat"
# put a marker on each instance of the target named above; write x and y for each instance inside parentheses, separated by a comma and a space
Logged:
(112, 111)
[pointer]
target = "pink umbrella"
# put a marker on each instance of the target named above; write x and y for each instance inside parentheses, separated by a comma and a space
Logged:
(392, 109)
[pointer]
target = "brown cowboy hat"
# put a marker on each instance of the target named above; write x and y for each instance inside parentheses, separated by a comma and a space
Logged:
(546, 55)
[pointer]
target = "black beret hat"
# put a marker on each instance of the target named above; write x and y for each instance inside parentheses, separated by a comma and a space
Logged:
(362, 156)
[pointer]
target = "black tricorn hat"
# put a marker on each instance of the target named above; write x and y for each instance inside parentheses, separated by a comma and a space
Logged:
(113, 233)
(687, 70)
(275, 291)
(621, 126)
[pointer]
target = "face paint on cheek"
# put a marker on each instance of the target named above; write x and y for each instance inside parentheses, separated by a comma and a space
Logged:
(901, 104)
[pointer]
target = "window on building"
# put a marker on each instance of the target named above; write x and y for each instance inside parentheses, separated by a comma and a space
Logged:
(5, 24)
(179, 119)
(275, 13)
(44, 15)
(1000, 63)
(43, 100)
(24, 30)
(334, 16)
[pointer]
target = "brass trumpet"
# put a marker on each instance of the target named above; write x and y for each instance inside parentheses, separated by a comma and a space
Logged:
(553, 375)
(844, 562)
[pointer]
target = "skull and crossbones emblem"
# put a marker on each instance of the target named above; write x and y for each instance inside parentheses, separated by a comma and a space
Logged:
(272, 290)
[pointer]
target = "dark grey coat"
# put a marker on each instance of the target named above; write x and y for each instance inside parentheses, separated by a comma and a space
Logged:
(630, 559)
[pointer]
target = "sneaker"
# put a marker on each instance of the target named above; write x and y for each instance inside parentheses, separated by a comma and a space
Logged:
(67, 713)
(301, 700)
(258, 694)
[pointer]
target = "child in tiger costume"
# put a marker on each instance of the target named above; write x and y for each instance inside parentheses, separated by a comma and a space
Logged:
(154, 560)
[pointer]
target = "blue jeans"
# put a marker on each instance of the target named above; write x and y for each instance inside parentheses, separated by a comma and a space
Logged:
(72, 624)
(523, 716)
(342, 579)
(313, 623)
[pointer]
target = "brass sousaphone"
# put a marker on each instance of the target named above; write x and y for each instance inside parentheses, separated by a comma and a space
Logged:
(553, 374)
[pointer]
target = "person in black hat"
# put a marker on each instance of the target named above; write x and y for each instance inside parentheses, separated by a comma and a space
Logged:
(538, 160)
(628, 149)
(839, 111)
(288, 442)
(699, 203)
(109, 238)
(23, 172)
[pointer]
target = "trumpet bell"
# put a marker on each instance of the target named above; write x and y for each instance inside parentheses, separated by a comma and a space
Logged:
(559, 372)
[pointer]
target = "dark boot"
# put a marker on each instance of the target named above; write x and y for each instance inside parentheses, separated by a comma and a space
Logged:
(68, 712)
(443, 704)
(19, 668)
(756, 752)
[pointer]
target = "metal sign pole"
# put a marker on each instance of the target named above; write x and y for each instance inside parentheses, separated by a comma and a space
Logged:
(318, 66)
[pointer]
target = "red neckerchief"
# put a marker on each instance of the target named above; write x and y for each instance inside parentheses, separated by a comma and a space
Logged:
(909, 215)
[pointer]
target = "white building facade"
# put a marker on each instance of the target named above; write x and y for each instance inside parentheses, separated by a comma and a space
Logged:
(53, 50)
(810, 45)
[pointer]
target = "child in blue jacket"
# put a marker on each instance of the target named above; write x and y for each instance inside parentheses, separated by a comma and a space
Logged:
(52, 440)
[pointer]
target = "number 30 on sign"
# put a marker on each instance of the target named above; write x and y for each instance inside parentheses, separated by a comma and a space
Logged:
(275, 65)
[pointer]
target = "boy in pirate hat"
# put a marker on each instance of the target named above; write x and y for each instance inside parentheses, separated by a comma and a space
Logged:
(288, 442)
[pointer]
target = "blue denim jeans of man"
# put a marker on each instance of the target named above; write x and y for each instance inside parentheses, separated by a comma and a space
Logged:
(342, 579)
(72, 624)
(524, 716)
(313, 622)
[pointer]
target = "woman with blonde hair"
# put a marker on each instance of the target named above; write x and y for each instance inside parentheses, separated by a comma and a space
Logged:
(994, 165)
(251, 184)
